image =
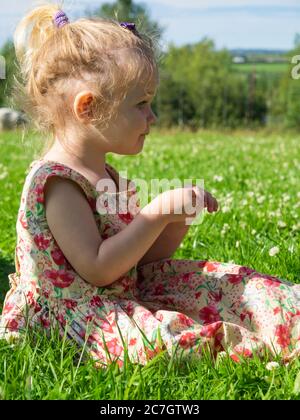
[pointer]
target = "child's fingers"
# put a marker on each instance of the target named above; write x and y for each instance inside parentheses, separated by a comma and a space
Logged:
(212, 204)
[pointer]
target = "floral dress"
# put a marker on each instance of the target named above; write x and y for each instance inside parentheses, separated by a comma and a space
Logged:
(169, 305)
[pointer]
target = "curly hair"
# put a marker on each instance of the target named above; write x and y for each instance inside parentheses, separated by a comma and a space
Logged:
(94, 54)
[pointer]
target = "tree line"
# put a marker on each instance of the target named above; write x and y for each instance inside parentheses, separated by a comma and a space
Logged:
(199, 85)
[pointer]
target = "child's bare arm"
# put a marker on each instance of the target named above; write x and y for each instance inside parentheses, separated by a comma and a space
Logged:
(166, 244)
(73, 226)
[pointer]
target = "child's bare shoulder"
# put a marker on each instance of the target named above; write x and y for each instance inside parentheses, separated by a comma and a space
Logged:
(72, 224)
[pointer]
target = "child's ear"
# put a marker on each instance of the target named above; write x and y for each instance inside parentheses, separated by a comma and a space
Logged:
(82, 106)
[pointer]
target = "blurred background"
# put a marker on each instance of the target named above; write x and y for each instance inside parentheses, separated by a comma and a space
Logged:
(223, 64)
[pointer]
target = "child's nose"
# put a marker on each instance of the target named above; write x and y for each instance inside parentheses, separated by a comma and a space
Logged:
(152, 117)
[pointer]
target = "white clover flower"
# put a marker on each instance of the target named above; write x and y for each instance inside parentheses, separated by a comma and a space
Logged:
(281, 224)
(237, 244)
(225, 228)
(296, 227)
(272, 365)
(3, 175)
(286, 197)
(260, 199)
(218, 178)
(253, 232)
(274, 251)
(225, 209)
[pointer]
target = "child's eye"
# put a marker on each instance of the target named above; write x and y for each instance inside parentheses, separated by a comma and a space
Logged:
(142, 103)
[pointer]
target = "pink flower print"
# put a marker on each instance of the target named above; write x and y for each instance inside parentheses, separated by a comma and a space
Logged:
(41, 242)
(46, 293)
(201, 264)
(245, 271)
(209, 314)
(61, 319)
(127, 218)
(211, 267)
(70, 303)
(12, 325)
(218, 342)
(235, 358)
(114, 347)
(7, 308)
(198, 294)
(271, 282)
(60, 278)
(242, 351)
(129, 308)
(58, 257)
(210, 330)
(289, 315)
(96, 301)
(159, 289)
(105, 326)
(235, 278)
(39, 191)
(151, 353)
(22, 220)
(92, 203)
(244, 314)
(57, 167)
(125, 283)
(132, 341)
(215, 296)
(187, 277)
(276, 310)
(282, 332)
(32, 302)
(187, 339)
(185, 320)
(45, 322)
(30, 299)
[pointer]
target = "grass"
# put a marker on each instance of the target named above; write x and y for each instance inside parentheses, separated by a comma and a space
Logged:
(262, 67)
(255, 177)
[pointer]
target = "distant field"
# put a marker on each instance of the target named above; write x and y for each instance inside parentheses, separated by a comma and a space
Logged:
(262, 67)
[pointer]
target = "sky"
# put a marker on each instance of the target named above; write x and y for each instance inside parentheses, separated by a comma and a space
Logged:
(266, 24)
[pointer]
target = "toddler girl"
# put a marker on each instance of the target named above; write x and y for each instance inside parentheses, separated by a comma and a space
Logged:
(106, 279)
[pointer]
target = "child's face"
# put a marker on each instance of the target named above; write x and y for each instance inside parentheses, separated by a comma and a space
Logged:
(126, 134)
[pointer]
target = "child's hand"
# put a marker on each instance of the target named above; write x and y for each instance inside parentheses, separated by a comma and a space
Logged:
(210, 202)
(181, 203)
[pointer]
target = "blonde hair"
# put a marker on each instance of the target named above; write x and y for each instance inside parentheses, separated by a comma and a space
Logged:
(91, 53)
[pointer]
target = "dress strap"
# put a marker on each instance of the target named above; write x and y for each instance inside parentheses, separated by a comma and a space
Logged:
(32, 199)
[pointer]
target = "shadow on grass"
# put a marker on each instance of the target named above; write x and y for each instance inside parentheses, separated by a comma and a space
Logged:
(6, 267)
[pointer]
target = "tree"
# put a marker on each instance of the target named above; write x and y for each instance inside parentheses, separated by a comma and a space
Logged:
(8, 52)
(128, 11)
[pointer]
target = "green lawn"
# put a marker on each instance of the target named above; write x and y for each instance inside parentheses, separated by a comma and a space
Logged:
(262, 67)
(255, 177)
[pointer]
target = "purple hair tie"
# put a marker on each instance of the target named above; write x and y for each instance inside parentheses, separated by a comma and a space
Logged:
(128, 25)
(60, 19)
